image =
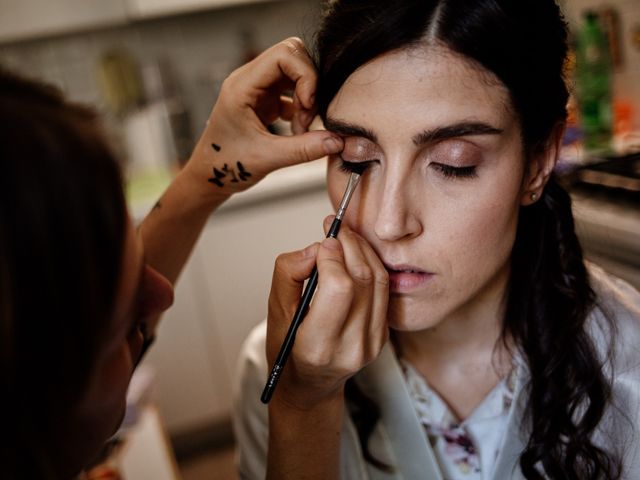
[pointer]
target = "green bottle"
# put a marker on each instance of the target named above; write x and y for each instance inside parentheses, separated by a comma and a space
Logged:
(593, 84)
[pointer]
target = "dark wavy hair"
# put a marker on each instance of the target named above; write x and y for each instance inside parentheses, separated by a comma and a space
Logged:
(524, 44)
(62, 226)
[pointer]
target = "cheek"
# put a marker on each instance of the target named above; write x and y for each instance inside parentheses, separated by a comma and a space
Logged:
(478, 232)
(105, 400)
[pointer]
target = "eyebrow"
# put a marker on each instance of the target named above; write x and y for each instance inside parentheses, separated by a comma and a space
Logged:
(462, 129)
(349, 129)
(455, 130)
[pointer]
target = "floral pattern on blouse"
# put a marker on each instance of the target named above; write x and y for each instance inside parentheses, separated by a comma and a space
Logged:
(465, 450)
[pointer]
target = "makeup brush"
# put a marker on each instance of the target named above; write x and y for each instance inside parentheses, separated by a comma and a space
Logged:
(309, 290)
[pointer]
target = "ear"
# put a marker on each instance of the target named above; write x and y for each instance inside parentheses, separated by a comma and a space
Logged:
(541, 166)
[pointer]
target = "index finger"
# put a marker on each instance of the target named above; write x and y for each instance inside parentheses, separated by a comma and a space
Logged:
(288, 59)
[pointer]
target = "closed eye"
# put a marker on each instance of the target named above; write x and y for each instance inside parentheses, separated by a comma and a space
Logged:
(357, 167)
(449, 171)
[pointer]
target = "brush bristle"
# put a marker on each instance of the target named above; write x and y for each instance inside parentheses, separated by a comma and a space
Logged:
(358, 167)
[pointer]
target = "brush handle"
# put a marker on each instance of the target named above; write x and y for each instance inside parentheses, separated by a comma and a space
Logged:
(301, 312)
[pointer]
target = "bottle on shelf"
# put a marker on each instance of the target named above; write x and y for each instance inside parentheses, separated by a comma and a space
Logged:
(593, 84)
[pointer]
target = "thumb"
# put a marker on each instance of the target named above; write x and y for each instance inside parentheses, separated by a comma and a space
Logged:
(304, 148)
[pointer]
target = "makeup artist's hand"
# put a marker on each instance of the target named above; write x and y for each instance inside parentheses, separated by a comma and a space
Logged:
(344, 330)
(346, 326)
(236, 149)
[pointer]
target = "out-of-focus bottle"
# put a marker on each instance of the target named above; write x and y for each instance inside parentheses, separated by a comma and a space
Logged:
(593, 84)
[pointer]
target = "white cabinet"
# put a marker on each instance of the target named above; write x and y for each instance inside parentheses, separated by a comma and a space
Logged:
(191, 385)
(223, 292)
(24, 19)
(29, 19)
(238, 251)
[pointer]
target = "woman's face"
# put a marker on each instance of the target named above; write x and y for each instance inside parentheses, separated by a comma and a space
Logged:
(439, 199)
(142, 294)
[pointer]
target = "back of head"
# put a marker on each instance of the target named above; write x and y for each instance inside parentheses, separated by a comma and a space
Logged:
(62, 223)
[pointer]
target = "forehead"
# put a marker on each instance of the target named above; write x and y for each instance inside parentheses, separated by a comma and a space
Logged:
(430, 85)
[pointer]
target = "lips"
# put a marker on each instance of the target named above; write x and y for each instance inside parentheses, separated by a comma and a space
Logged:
(406, 278)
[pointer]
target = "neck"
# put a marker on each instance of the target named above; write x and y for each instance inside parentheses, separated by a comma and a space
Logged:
(462, 357)
(469, 335)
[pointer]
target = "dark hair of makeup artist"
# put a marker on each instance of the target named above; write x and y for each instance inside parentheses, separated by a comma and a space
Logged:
(62, 225)
(524, 44)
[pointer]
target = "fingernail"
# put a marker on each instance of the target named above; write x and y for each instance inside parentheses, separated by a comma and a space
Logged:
(332, 144)
(331, 244)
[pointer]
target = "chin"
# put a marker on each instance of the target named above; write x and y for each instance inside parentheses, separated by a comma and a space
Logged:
(410, 323)
(406, 316)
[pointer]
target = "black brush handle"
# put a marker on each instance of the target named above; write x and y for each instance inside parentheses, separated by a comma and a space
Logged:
(301, 312)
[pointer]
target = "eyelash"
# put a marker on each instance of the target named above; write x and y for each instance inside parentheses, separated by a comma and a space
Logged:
(349, 167)
(449, 171)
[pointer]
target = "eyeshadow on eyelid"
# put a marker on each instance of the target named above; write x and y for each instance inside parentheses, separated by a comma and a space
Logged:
(357, 148)
(457, 154)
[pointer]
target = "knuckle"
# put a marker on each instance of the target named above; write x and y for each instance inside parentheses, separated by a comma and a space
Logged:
(226, 89)
(293, 45)
(382, 277)
(362, 273)
(282, 264)
(359, 359)
(318, 357)
(353, 361)
(282, 259)
(340, 287)
(304, 152)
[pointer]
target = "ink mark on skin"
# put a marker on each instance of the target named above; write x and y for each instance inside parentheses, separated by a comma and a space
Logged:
(236, 176)
(232, 172)
(216, 147)
(242, 172)
(216, 181)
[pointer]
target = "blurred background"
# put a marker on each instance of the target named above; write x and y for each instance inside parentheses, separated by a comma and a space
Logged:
(153, 69)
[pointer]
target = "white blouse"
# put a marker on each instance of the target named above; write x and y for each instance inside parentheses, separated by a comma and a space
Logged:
(466, 450)
(399, 438)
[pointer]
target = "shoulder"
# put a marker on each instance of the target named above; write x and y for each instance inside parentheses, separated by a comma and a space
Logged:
(614, 292)
(250, 415)
(614, 327)
(615, 320)
(253, 351)
(251, 369)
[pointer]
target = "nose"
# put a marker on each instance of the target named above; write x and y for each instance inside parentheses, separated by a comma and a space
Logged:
(156, 294)
(397, 217)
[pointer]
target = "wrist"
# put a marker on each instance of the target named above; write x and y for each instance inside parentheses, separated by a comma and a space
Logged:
(309, 400)
(193, 183)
